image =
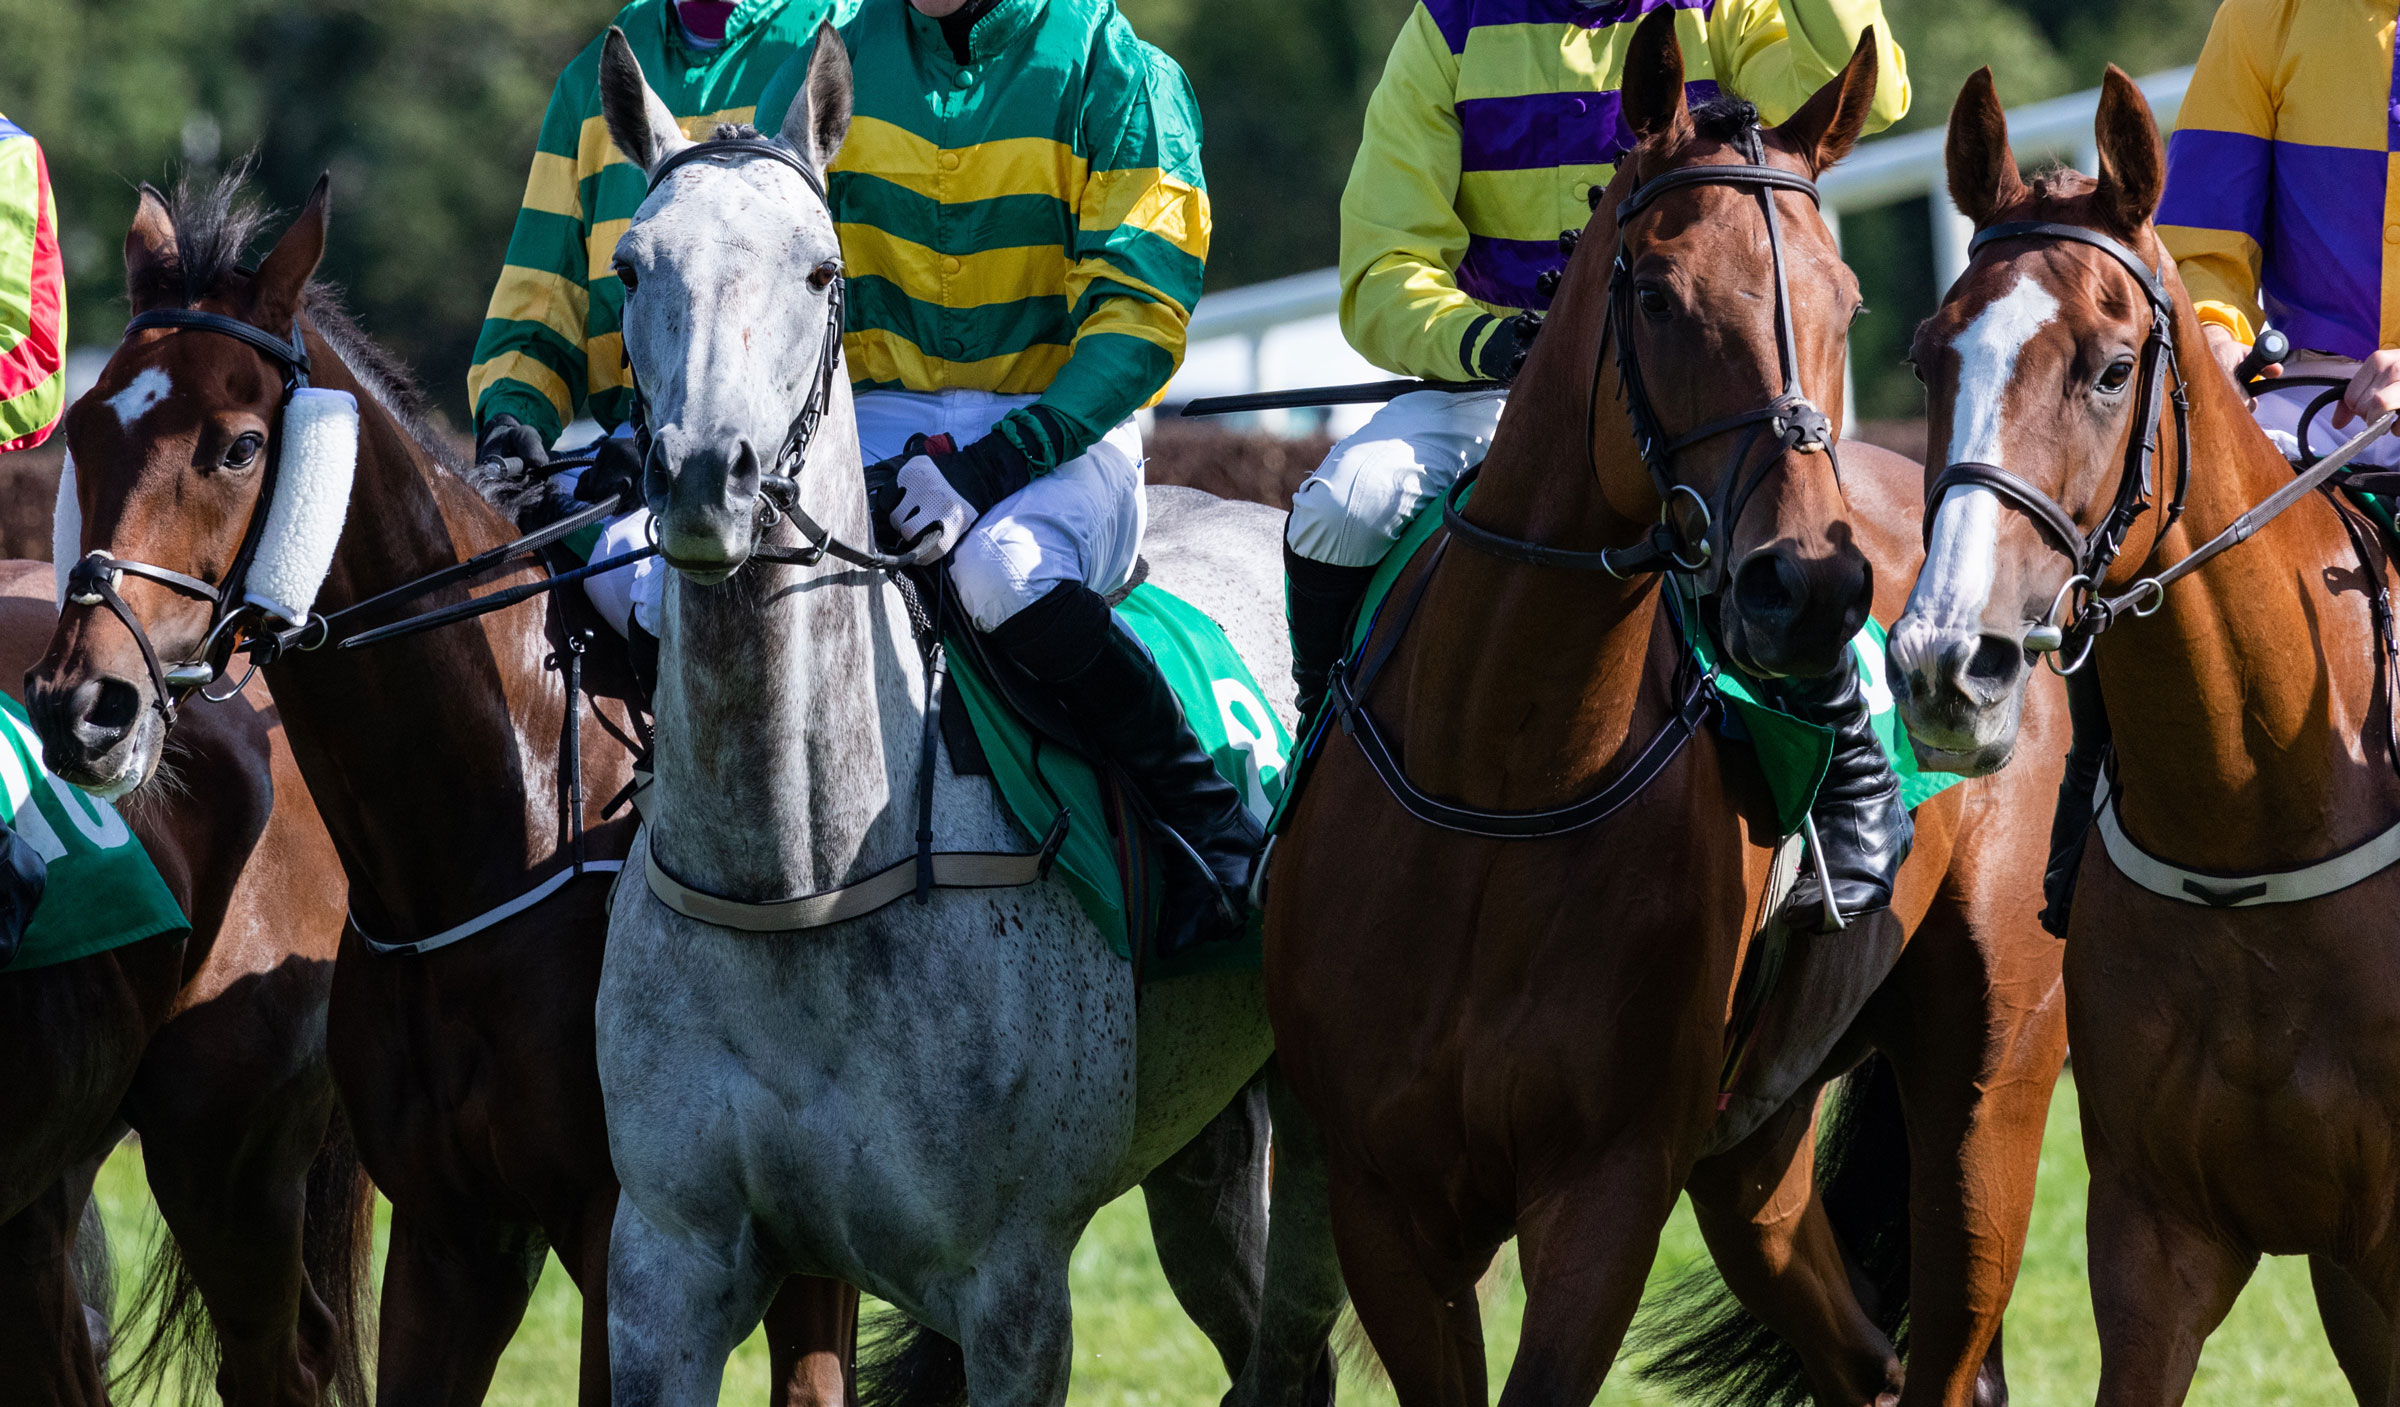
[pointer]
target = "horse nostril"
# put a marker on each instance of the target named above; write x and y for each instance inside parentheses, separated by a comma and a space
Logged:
(1768, 588)
(115, 706)
(1995, 663)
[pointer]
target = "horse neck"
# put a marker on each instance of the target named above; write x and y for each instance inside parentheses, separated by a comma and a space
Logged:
(791, 709)
(2251, 692)
(431, 757)
(1541, 668)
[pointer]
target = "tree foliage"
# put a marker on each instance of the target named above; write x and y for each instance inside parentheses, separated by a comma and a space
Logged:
(424, 111)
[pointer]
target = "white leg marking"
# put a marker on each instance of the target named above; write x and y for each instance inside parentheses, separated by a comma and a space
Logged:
(139, 395)
(1956, 584)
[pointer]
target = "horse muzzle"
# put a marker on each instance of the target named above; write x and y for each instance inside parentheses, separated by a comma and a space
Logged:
(1785, 614)
(1960, 691)
(100, 732)
(706, 509)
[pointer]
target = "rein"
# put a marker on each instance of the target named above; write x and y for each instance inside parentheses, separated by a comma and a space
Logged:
(1793, 421)
(93, 580)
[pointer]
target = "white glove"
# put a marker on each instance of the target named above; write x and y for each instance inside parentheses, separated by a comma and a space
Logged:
(927, 502)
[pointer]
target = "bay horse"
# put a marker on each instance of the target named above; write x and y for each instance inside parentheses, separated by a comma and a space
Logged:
(467, 1069)
(930, 1099)
(1528, 1036)
(211, 1046)
(2230, 996)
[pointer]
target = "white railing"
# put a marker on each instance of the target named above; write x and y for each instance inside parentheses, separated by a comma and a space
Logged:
(1246, 322)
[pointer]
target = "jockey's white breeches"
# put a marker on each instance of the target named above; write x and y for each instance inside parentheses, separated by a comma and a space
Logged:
(1082, 521)
(2279, 413)
(1355, 506)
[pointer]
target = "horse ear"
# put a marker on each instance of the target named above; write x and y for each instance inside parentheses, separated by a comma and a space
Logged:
(153, 270)
(1983, 171)
(1827, 125)
(2133, 170)
(819, 118)
(638, 122)
(284, 274)
(1654, 104)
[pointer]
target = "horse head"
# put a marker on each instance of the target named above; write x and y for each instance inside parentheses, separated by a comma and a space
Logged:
(1729, 304)
(169, 455)
(732, 279)
(2039, 374)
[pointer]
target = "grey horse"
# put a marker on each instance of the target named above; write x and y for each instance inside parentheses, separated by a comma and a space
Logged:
(932, 1100)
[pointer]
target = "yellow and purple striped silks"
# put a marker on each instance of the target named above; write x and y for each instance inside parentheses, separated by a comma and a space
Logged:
(2280, 193)
(1494, 121)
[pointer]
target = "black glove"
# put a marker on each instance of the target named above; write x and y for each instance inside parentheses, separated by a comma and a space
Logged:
(616, 468)
(984, 472)
(1503, 354)
(506, 437)
(23, 877)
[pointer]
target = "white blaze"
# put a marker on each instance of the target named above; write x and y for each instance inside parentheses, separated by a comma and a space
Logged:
(139, 395)
(1957, 581)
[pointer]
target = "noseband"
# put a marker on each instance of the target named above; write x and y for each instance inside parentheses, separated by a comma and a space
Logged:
(779, 485)
(1792, 420)
(93, 581)
(2092, 553)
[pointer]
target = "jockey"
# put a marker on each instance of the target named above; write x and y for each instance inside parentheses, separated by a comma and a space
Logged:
(550, 346)
(33, 339)
(1477, 153)
(2277, 203)
(1024, 226)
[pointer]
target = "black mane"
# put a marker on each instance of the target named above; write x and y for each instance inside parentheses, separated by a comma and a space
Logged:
(1728, 117)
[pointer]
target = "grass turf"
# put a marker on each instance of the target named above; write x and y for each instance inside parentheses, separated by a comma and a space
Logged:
(1134, 1348)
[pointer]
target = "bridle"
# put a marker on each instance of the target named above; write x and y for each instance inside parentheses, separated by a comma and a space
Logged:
(1790, 418)
(93, 580)
(779, 485)
(2094, 552)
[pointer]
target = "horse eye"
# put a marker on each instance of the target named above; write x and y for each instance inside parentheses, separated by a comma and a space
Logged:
(823, 275)
(2119, 372)
(1653, 301)
(242, 451)
(625, 275)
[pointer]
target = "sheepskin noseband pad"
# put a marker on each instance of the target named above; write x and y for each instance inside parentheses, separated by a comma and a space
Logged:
(312, 497)
(66, 529)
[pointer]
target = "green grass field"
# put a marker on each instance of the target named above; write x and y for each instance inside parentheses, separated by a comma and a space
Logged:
(1134, 1348)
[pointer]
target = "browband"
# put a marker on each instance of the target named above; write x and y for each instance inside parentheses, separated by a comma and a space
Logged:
(292, 356)
(2142, 273)
(740, 146)
(1742, 174)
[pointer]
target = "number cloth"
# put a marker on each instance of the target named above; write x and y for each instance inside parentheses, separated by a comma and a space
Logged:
(33, 295)
(1025, 217)
(1496, 119)
(104, 892)
(551, 346)
(2280, 198)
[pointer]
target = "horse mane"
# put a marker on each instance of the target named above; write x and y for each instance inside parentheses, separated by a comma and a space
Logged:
(1727, 117)
(214, 222)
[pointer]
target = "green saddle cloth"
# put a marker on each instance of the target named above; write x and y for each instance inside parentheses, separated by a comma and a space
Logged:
(1793, 754)
(1038, 779)
(103, 892)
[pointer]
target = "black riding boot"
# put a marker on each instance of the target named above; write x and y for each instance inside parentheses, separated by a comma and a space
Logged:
(1127, 715)
(23, 877)
(1319, 600)
(2071, 824)
(1863, 831)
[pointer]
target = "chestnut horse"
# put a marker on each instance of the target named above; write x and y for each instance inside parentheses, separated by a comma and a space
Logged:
(468, 1070)
(1527, 1036)
(209, 1045)
(2231, 1003)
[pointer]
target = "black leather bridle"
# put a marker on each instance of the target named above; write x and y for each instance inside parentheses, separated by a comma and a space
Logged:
(2093, 552)
(779, 485)
(93, 580)
(1790, 418)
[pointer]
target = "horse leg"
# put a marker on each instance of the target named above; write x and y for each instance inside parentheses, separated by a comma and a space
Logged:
(1016, 1327)
(1208, 1218)
(1767, 1230)
(1586, 1247)
(2160, 1287)
(2357, 1327)
(1291, 1363)
(454, 1292)
(678, 1305)
(812, 1338)
(1418, 1307)
(1975, 1033)
(45, 1340)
